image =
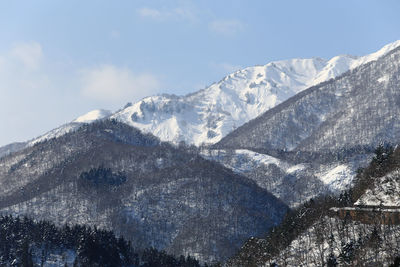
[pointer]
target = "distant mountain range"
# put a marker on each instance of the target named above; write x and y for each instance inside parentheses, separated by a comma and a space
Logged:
(208, 115)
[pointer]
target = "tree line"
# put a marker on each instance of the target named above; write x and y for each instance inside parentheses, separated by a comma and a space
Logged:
(24, 242)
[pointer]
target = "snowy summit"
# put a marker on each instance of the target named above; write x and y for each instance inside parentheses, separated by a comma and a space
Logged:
(206, 116)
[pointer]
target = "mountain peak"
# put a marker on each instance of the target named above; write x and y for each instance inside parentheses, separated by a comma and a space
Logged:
(93, 116)
(333, 116)
(206, 116)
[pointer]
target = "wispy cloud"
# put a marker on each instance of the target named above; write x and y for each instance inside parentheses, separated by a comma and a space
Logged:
(111, 83)
(26, 91)
(178, 13)
(21, 68)
(29, 54)
(226, 27)
(150, 13)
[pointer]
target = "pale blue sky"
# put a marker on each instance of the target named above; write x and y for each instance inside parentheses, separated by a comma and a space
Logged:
(61, 59)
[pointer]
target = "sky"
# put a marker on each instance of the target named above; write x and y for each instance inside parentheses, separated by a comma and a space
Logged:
(62, 59)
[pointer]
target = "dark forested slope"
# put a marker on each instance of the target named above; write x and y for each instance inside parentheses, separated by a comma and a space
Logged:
(110, 175)
(24, 242)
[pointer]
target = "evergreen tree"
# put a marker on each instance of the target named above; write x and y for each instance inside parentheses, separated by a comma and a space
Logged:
(331, 261)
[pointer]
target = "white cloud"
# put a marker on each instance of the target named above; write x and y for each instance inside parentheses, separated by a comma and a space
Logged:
(178, 13)
(183, 13)
(226, 27)
(27, 93)
(110, 83)
(29, 54)
(21, 68)
(150, 13)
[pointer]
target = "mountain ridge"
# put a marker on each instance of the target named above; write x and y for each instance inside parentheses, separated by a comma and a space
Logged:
(277, 81)
(326, 104)
(208, 115)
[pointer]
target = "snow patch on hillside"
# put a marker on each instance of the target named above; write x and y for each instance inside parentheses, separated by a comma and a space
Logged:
(384, 79)
(337, 177)
(243, 160)
(386, 191)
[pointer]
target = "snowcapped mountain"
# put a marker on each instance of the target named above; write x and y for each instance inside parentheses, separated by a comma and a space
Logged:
(335, 125)
(208, 115)
(204, 117)
(357, 110)
(93, 115)
(89, 117)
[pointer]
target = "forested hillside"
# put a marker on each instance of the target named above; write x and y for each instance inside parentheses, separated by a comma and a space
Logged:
(24, 242)
(109, 175)
(314, 235)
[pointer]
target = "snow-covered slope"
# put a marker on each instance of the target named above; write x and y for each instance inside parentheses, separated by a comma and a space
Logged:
(293, 183)
(386, 192)
(338, 175)
(206, 116)
(342, 242)
(89, 117)
(354, 112)
(210, 114)
(93, 115)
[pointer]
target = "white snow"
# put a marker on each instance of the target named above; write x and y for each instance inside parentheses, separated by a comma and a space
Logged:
(384, 79)
(260, 158)
(244, 160)
(386, 192)
(275, 175)
(93, 116)
(66, 128)
(337, 177)
(296, 168)
(204, 117)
